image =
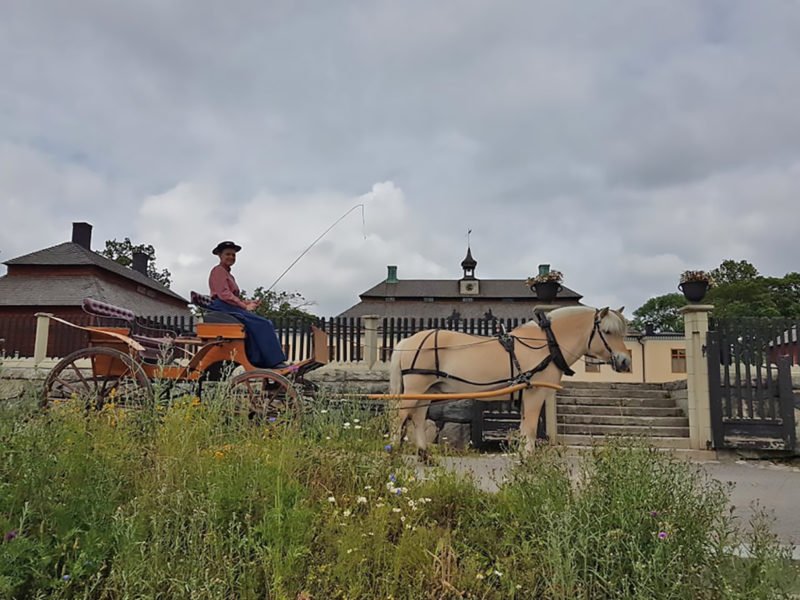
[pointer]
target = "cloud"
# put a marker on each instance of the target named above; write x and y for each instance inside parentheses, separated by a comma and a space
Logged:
(620, 142)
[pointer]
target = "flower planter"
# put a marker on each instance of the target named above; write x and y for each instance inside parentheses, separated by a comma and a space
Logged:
(694, 291)
(547, 290)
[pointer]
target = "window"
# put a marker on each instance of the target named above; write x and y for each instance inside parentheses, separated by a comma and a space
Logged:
(678, 360)
(467, 299)
(592, 366)
(389, 298)
(427, 299)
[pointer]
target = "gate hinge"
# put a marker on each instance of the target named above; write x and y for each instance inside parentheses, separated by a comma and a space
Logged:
(704, 348)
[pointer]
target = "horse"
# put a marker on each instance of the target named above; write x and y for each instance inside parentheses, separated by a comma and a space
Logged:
(442, 361)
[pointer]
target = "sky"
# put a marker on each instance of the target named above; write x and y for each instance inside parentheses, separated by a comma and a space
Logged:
(619, 141)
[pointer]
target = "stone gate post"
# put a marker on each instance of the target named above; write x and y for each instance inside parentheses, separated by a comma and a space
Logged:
(695, 318)
(370, 324)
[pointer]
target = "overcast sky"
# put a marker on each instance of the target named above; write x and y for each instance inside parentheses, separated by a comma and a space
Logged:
(620, 141)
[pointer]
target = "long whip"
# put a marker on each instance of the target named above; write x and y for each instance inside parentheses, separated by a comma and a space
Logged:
(322, 235)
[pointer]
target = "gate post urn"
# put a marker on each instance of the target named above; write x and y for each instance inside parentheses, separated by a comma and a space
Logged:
(695, 318)
(370, 325)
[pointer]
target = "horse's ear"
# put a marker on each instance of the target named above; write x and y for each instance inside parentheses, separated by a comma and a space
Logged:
(621, 309)
(603, 313)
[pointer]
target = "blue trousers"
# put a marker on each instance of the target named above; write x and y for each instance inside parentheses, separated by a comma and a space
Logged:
(261, 344)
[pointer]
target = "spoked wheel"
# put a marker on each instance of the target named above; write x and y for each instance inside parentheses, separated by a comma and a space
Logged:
(96, 377)
(263, 393)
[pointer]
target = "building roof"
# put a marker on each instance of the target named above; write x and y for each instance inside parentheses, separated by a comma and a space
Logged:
(495, 289)
(72, 254)
(420, 309)
(70, 290)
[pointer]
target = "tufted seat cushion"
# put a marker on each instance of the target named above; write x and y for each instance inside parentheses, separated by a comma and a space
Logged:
(102, 309)
(201, 300)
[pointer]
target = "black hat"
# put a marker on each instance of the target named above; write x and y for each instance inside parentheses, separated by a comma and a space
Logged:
(224, 246)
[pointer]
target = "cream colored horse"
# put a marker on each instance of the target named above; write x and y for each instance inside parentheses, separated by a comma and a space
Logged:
(452, 362)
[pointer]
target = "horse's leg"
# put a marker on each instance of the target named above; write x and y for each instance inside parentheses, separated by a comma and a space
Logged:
(419, 416)
(403, 410)
(533, 399)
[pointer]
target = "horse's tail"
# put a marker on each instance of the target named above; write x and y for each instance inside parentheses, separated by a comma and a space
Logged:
(395, 373)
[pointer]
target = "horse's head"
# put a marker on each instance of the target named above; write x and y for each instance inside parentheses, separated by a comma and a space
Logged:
(607, 340)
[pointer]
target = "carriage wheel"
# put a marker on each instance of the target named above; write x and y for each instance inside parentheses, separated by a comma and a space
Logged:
(95, 377)
(263, 393)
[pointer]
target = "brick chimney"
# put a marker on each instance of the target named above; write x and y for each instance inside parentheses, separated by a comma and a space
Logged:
(140, 260)
(82, 235)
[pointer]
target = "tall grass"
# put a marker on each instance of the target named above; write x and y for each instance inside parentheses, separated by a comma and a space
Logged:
(188, 501)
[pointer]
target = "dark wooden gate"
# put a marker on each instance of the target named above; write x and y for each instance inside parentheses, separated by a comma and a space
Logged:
(749, 367)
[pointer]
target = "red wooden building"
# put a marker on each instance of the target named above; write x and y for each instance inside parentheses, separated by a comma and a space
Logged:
(57, 279)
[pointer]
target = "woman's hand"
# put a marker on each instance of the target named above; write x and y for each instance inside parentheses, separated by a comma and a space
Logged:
(252, 304)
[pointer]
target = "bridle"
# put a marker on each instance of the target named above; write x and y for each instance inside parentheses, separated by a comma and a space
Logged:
(596, 330)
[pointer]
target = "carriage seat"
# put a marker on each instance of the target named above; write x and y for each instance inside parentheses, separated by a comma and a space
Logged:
(203, 302)
(155, 348)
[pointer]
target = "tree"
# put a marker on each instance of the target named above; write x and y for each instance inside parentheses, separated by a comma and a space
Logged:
(661, 313)
(281, 304)
(731, 271)
(122, 252)
(740, 291)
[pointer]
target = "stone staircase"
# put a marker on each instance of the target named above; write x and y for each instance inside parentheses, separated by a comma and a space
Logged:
(590, 412)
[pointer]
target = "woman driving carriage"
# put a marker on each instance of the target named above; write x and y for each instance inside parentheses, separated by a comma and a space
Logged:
(261, 344)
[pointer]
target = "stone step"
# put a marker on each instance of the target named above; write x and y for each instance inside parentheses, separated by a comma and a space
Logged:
(606, 401)
(629, 430)
(569, 392)
(633, 411)
(623, 420)
(600, 385)
(589, 440)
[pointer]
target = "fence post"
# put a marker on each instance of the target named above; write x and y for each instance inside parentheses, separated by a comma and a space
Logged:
(695, 317)
(42, 335)
(370, 323)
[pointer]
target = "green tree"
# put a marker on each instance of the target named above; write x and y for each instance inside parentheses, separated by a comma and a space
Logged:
(274, 304)
(662, 313)
(122, 252)
(740, 292)
(731, 271)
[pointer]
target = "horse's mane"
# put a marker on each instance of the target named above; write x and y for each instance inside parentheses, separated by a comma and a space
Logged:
(613, 322)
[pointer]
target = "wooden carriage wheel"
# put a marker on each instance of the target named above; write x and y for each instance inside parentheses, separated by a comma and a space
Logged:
(95, 377)
(263, 393)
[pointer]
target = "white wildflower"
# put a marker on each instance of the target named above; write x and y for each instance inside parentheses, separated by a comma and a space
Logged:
(324, 411)
(357, 427)
(346, 425)
(347, 513)
(361, 500)
(356, 421)
(367, 487)
(331, 499)
(479, 576)
(498, 573)
(395, 509)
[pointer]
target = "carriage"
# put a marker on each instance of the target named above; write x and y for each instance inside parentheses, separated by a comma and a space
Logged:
(130, 362)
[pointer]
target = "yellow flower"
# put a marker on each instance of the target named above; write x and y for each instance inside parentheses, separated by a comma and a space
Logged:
(219, 455)
(195, 401)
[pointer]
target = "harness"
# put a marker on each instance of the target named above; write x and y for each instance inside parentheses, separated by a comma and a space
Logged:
(508, 342)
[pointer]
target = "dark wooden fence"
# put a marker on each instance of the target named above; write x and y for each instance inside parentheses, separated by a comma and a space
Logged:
(345, 335)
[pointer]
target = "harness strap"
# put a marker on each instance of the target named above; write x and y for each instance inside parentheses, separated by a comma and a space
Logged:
(444, 375)
(555, 349)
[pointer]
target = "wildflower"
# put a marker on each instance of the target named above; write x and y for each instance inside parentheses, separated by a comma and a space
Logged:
(347, 513)
(388, 447)
(327, 437)
(357, 427)
(479, 576)
(272, 419)
(356, 421)
(385, 436)
(10, 535)
(346, 425)
(324, 411)
(662, 535)
(653, 513)
(361, 500)
(367, 487)
(66, 578)
(349, 550)
(498, 573)
(519, 586)
(195, 401)
(219, 455)
(392, 478)
(402, 518)
(331, 499)
(396, 510)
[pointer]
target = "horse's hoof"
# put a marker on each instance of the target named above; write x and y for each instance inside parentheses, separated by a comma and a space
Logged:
(425, 458)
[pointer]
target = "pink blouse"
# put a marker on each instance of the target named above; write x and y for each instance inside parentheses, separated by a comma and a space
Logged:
(223, 286)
